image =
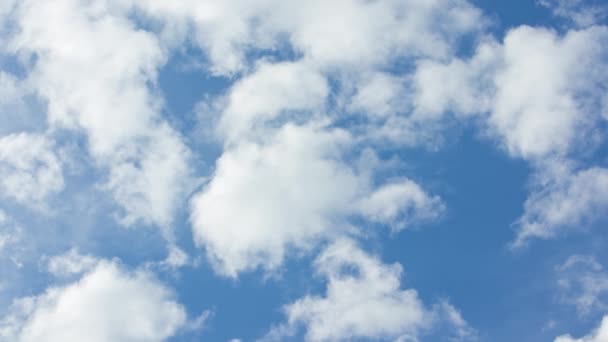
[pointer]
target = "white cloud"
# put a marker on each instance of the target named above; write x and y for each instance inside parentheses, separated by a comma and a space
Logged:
(460, 87)
(570, 200)
(540, 94)
(364, 300)
(540, 89)
(224, 30)
(176, 257)
(71, 263)
(547, 91)
(346, 33)
(583, 282)
(29, 168)
(264, 198)
(291, 191)
(97, 72)
(106, 304)
(401, 203)
(599, 335)
(548, 99)
(340, 40)
(151, 187)
(452, 317)
(356, 34)
(581, 12)
(271, 89)
(379, 95)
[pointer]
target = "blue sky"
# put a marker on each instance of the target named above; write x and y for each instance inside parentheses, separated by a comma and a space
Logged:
(346, 170)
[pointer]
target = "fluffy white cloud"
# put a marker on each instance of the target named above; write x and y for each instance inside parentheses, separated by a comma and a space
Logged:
(540, 93)
(364, 300)
(345, 33)
(271, 89)
(540, 89)
(97, 71)
(583, 282)
(599, 335)
(547, 105)
(342, 39)
(29, 168)
(548, 92)
(379, 95)
(460, 87)
(290, 191)
(356, 33)
(569, 200)
(106, 304)
(224, 30)
(400, 204)
(263, 198)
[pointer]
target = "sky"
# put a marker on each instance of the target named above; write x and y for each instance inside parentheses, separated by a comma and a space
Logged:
(347, 170)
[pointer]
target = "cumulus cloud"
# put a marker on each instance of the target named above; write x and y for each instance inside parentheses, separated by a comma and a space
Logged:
(539, 89)
(599, 335)
(341, 34)
(462, 87)
(364, 300)
(97, 71)
(547, 93)
(30, 170)
(292, 190)
(272, 89)
(366, 38)
(379, 95)
(554, 118)
(107, 304)
(400, 204)
(263, 198)
(583, 282)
